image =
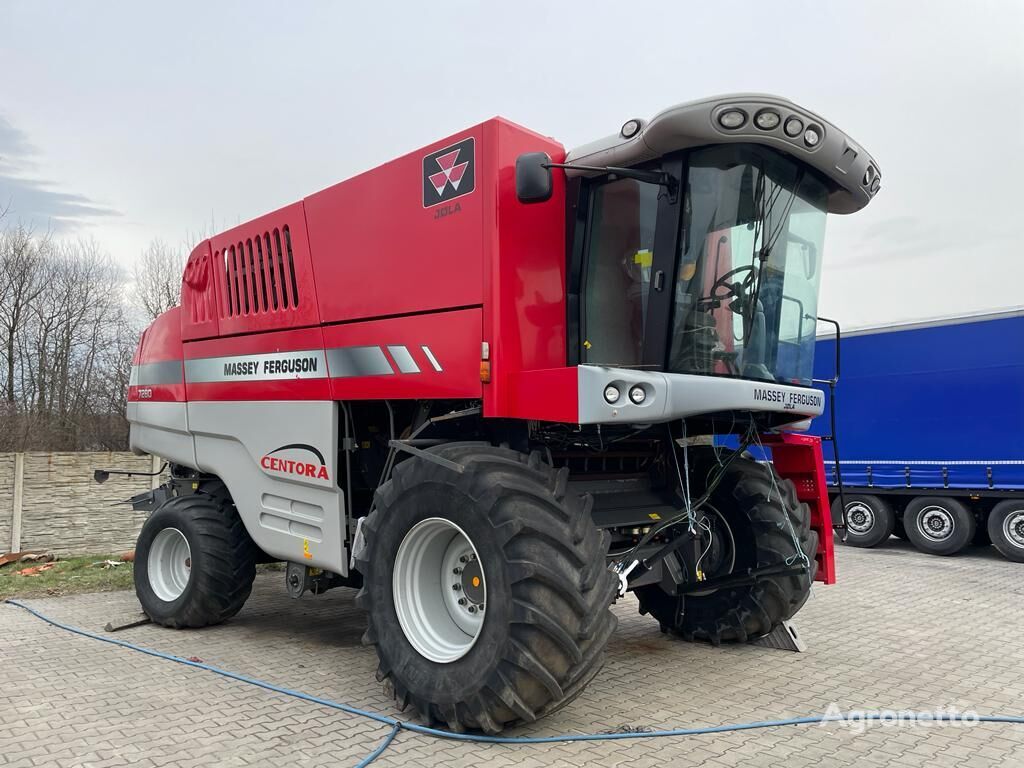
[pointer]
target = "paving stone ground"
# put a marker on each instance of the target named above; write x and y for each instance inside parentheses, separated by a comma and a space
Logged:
(901, 630)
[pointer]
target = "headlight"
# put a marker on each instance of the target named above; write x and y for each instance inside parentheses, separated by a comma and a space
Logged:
(630, 128)
(767, 120)
(732, 119)
(611, 394)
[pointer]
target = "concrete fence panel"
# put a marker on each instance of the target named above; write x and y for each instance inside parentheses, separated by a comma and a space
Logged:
(64, 511)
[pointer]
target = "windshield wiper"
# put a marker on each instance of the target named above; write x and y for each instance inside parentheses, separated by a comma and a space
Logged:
(661, 178)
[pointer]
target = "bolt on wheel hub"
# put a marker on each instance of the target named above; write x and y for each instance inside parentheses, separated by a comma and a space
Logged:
(860, 517)
(1013, 528)
(439, 590)
(936, 523)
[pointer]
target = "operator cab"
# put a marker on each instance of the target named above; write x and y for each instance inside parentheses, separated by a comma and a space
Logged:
(695, 251)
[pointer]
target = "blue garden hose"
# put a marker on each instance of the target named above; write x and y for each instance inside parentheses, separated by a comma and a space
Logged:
(400, 725)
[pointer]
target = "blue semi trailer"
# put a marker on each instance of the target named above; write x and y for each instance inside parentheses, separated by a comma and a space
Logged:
(930, 428)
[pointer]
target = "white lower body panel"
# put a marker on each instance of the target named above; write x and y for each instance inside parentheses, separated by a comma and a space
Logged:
(278, 460)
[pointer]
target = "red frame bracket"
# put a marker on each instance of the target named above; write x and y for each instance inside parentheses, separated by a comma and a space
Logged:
(798, 458)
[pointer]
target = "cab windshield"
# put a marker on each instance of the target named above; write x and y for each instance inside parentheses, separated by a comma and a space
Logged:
(745, 291)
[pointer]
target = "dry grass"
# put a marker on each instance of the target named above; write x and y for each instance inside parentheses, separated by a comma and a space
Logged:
(66, 577)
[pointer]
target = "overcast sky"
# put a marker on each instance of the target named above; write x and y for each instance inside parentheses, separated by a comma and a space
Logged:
(129, 121)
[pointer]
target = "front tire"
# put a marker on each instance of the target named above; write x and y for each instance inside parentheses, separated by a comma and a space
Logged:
(194, 562)
(764, 514)
(544, 593)
(938, 525)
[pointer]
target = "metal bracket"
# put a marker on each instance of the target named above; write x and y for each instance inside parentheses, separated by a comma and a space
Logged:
(102, 475)
(783, 638)
(401, 445)
(623, 574)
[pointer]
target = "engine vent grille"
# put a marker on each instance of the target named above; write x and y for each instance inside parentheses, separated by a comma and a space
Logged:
(259, 274)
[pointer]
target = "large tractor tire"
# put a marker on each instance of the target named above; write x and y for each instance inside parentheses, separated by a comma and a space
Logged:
(869, 519)
(194, 561)
(485, 587)
(939, 525)
(763, 514)
(1006, 529)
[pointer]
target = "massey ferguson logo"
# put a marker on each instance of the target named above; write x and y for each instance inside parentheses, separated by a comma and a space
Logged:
(299, 468)
(449, 173)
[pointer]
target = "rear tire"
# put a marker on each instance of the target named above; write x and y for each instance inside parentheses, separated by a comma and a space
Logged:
(547, 590)
(764, 513)
(870, 519)
(1006, 529)
(194, 562)
(938, 525)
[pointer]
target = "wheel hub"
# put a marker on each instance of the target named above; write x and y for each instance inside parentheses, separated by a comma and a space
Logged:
(860, 517)
(169, 565)
(936, 523)
(439, 590)
(1013, 528)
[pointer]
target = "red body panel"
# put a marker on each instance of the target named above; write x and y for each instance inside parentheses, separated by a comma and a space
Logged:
(378, 252)
(453, 339)
(161, 343)
(264, 275)
(524, 319)
(305, 339)
(798, 458)
(371, 263)
(548, 395)
(200, 313)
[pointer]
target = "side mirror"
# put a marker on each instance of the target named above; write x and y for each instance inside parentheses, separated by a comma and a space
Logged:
(533, 179)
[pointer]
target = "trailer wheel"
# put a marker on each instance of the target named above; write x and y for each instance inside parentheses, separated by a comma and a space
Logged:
(1006, 529)
(938, 525)
(194, 562)
(869, 519)
(764, 515)
(485, 587)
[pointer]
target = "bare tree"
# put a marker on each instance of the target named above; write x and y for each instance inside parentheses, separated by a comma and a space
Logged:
(158, 278)
(22, 280)
(66, 342)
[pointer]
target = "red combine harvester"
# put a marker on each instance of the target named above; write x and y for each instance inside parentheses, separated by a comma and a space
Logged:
(481, 383)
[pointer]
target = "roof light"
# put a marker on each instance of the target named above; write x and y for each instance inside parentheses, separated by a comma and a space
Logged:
(637, 395)
(767, 120)
(732, 119)
(794, 127)
(611, 394)
(631, 128)
(812, 137)
(869, 176)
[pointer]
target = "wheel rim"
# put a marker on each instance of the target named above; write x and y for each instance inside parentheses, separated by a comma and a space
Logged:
(169, 565)
(439, 590)
(860, 518)
(1013, 528)
(936, 523)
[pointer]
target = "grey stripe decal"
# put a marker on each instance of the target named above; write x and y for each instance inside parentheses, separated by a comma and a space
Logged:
(431, 358)
(274, 366)
(164, 372)
(403, 359)
(358, 361)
